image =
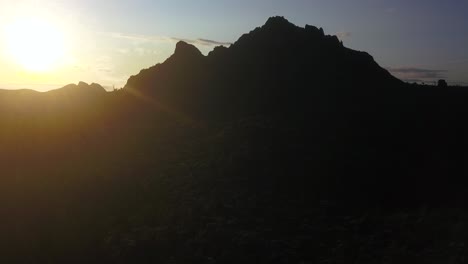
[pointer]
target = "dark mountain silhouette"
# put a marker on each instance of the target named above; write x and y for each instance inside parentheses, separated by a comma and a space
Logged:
(340, 101)
(285, 147)
(276, 67)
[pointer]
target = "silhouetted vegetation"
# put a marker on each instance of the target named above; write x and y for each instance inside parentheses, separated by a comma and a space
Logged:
(286, 147)
(442, 83)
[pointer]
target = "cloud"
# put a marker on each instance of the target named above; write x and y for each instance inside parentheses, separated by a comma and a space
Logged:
(123, 51)
(214, 42)
(205, 42)
(140, 51)
(414, 74)
(150, 38)
(135, 37)
(103, 64)
(343, 34)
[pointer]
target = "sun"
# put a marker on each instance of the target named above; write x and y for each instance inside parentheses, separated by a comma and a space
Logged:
(35, 44)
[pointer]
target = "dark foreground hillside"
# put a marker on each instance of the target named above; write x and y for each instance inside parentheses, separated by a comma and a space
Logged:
(269, 151)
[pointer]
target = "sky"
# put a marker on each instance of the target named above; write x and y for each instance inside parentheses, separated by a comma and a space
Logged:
(107, 41)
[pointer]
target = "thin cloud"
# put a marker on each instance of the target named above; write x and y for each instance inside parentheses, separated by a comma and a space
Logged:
(123, 51)
(459, 61)
(210, 42)
(205, 42)
(414, 80)
(135, 37)
(150, 38)
(343, 34)
(419, 74)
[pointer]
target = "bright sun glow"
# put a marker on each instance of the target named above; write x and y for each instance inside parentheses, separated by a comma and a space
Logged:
(35, 44)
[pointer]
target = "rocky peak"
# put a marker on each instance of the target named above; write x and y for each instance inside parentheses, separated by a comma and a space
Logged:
(82, 87)
(97, 87)
(278, 22)
(83, 84)
(185, 49)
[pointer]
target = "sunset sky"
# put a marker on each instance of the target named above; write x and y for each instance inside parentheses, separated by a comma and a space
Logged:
(46, 44)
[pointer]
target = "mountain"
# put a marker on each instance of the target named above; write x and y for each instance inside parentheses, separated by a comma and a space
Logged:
(276, 67)
(340, 103)
(29, 99)
(285, 147)
(81, 89)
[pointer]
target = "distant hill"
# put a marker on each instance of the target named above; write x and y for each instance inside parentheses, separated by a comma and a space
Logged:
(82, 88)
(29, 100)
(79, 89)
